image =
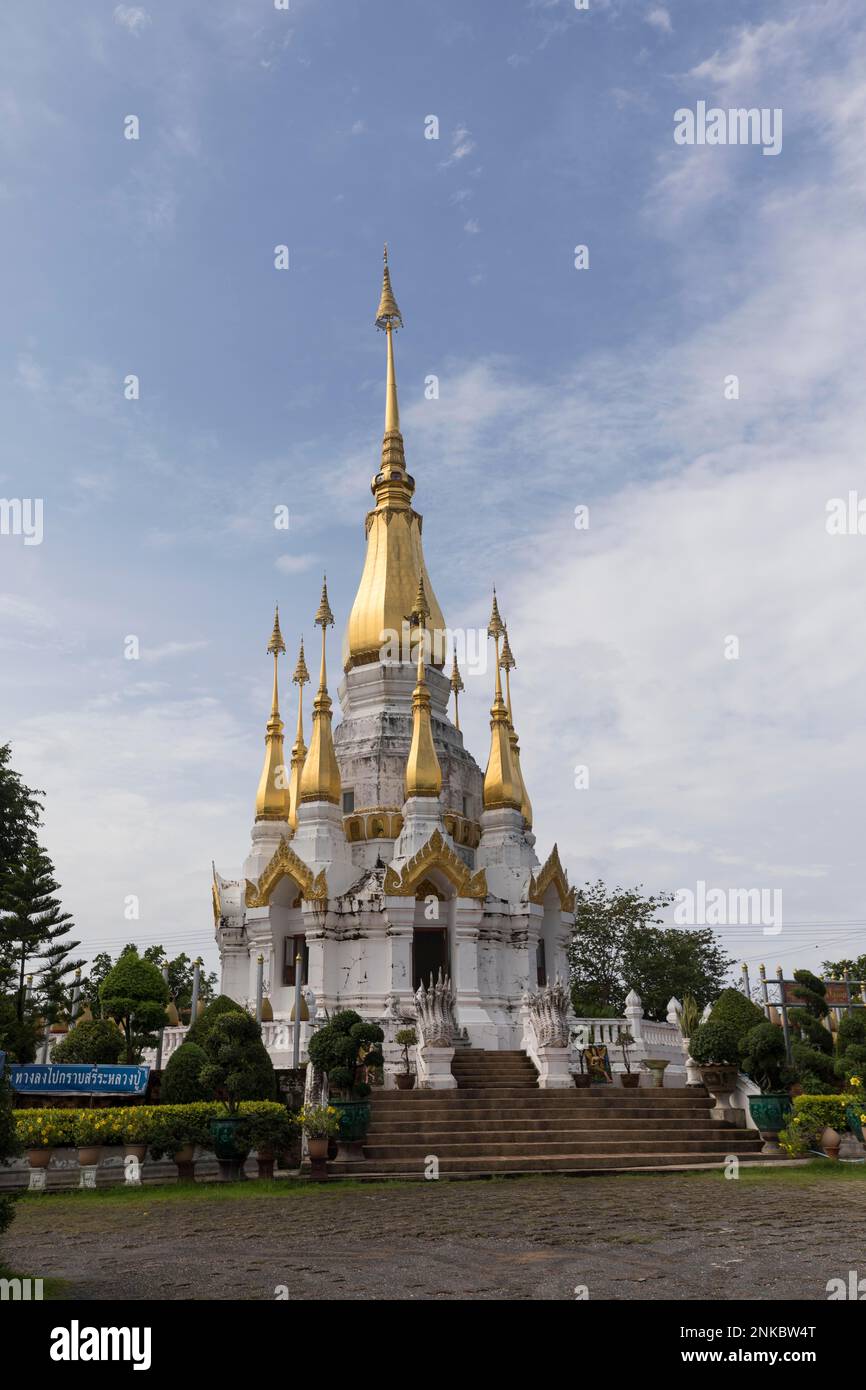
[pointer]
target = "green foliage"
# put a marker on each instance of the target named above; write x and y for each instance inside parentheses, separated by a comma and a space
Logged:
(238, 1066)
(714, 1044)
(851, 1031)
(20, 813)
(17, 1036)
(180, 975)
(814, 1070)
(810, 1030)
(690, 1015)
(199, 1030)
(811, 993)
(319, 1121)
(33, 931)
(181, 1084)
(618, 944)
(45, 1129)
(738, 1011)
(343, 1048)
(812, 1115)
(175, 1126)
(764, 1058)
(406, 1038)
(268, 1126)
(135, 993)
(10, 1145)
(91, 1040)
(852, 1062)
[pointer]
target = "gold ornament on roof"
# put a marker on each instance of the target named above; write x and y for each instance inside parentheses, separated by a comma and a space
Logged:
(320, 779)
(501, 789)
(508, 664)
(423, 773)
(272, 798)
(299, 748)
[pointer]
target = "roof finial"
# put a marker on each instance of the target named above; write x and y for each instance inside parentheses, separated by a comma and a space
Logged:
(320, 779)
(423, 773)
(299, 749)
(272, 798)
(456, 685)
(508, 664)
(500, 783)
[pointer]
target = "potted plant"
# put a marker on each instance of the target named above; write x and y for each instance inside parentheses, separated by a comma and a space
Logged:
(269, 1129)
(90, 1132)
(319, 1123)
(42, 1131)
(343, 1048)
(714, 1050)
(238, 1068)
(582, 1077)
(176, 1132)
(630, 1079)
(817, 1120)
(689, 1017)
(405, 1038)
(765, 1061)
(136, 1128)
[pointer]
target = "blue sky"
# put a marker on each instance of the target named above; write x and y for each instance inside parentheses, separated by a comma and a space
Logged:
(557, 388)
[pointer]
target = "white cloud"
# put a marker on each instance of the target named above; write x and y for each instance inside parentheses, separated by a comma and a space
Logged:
(473, 226)
(660, 18)
(295, 564)
(133, 18)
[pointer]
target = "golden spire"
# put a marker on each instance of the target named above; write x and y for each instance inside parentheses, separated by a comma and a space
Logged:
(320, 779)
(456, 686)
(299, 750)
(395, 560)
(508, 664)
(272, 798)
(423, 773)
(500, 785)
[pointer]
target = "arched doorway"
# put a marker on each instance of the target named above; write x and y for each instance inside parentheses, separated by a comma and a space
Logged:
(431, 944)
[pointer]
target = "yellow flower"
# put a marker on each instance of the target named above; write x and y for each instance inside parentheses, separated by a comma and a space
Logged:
(855, 1081)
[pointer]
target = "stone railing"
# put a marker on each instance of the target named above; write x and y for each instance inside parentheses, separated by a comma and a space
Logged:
(651, 1039)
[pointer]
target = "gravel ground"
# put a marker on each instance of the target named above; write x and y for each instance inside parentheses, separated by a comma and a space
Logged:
(669, 1237)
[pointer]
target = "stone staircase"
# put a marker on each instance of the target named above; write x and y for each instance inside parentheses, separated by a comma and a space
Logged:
(498, 1121)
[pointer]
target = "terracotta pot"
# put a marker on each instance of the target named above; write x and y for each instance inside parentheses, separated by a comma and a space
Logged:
(317, 1149)
(630, 1079)
(138, 1151)
(830, 1141)
(88, 1156)
(405, 1080)
(39, 1158)
(185, 1160)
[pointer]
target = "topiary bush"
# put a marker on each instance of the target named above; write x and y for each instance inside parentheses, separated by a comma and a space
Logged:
(851, 1031)
(238, 1066)
(135, 993)
(852, 1062)
(343, 1048)
(199, 1030)
(815, 1071)
(91, 1040)
(181, 1081)
(714, 1044)
(764, 1058)
(737, 1011)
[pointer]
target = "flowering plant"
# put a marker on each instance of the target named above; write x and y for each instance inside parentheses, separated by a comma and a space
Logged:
(45, 1129)
(319, 1121)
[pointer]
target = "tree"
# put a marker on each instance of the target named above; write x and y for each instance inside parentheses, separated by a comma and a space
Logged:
(33, 928)
(20, 814)
(202, 1026)
(135, 993)
(9, 1146)
(181, 1083)
(617, 945)
(91, 1040)
(839, 969)
(180, 975)
(238, 1066)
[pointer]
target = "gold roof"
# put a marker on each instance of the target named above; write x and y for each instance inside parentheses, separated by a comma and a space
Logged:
(500, 783)
(508, 664)
(423, 773)
(320, 779)
(394, 562)
(272, 798)
(299, 749)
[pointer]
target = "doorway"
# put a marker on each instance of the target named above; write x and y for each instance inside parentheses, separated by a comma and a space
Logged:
(429, 955)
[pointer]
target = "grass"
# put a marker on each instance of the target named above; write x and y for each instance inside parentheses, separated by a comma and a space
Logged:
(803, 1175)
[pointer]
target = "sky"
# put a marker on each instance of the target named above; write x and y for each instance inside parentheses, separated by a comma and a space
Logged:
(689, 692)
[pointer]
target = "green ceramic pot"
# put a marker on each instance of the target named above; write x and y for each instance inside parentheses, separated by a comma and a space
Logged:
(354, 1119)
(230, 1146)
(852, 1115)
(770, 1113)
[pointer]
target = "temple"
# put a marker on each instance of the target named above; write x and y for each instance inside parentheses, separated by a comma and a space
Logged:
(382, 854)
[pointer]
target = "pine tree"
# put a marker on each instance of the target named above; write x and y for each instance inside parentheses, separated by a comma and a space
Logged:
(20, 811)
(33, 928)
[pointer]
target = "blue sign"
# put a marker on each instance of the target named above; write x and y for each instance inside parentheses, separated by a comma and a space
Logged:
(78, 1079)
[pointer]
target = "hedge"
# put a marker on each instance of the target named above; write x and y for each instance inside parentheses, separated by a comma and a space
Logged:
(164, 1128)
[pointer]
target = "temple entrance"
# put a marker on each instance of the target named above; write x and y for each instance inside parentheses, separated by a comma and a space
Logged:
(429, 954)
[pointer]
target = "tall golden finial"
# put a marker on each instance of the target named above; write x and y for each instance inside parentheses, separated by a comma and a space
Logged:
(299, 750)
(500, 783)
(272, 798)
(394, 558)
(508, 664)
(456, 685)
(423, 773)
(320, 779)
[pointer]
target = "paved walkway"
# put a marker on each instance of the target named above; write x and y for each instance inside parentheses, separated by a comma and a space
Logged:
(672, 1237)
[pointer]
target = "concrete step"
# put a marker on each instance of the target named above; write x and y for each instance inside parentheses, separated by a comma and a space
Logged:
(516, 1164)
(496, 1147)
(670, 1132)
(614, 1096)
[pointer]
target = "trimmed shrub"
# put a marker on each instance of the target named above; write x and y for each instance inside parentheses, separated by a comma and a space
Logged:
(91, 1040)
(238, 1066)
(343, 1048)
(200, 1028)
(181, 1082)
(815, 1071)
(135, 993)
(765, 1059)
(811, 1030)
(737, 1011)
(851, 1032)
(714, 1044)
